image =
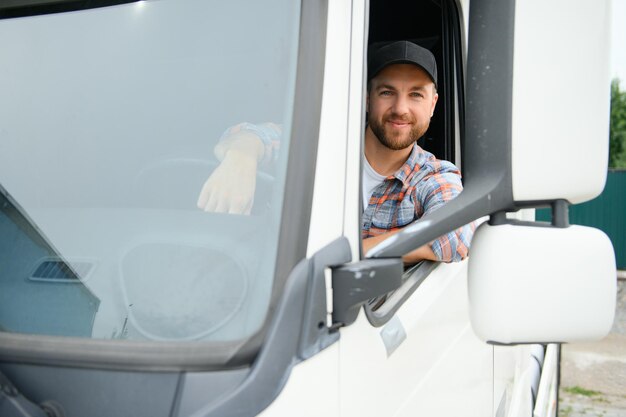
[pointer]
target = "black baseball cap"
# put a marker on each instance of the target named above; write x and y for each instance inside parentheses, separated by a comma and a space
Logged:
(382, 54)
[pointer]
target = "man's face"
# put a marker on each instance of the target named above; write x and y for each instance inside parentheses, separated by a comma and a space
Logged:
(400, 103)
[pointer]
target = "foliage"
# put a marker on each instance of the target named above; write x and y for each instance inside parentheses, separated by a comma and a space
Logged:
(566, 412)
(617, 142)
(576, 390)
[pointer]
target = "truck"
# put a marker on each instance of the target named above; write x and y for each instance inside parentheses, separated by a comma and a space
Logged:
(119, 297)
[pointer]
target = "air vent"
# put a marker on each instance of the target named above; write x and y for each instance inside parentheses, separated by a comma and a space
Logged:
(59, 270)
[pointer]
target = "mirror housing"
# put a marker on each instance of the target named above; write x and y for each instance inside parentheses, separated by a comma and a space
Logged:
(556, 45)
(540, 284)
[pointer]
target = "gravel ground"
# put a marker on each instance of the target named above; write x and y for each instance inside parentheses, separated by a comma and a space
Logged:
(593, 376)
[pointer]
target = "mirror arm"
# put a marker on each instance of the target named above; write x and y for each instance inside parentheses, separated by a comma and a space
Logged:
(473, 203)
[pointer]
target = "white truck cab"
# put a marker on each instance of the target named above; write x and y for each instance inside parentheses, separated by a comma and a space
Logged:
(119, 297)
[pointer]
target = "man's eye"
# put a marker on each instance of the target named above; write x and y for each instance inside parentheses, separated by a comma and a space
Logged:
(417, 95)
(386, 93)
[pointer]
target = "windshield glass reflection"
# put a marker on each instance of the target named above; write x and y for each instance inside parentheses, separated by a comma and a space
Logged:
(108, 120)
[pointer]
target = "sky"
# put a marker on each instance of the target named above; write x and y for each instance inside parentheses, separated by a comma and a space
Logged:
(618, 41)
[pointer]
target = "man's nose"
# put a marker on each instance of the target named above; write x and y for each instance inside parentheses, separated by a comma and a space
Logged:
(400, 105)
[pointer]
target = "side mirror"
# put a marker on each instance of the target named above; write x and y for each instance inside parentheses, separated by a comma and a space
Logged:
(532, 284)
(355, 283)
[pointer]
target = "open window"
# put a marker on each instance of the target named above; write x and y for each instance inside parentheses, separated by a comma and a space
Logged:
(434, 25)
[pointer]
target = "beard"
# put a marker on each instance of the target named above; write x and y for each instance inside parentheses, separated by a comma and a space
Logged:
(397, 140)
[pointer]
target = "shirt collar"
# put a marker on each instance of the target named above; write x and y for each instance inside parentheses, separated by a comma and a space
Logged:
(411, 165)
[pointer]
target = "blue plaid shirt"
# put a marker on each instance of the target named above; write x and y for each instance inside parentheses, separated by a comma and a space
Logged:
(420, 186)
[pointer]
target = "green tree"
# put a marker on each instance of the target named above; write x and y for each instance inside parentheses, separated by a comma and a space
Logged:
(617, 135)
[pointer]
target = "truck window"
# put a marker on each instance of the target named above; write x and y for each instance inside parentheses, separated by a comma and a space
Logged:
(435, 26)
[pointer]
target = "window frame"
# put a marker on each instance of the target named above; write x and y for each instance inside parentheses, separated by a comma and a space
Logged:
(381, 309)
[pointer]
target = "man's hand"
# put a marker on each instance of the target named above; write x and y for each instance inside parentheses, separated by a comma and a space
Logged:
(230, 187)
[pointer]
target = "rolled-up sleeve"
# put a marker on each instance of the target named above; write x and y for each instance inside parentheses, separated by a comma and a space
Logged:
(438, 190)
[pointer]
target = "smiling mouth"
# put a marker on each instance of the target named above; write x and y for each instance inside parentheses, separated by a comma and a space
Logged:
(398, 123)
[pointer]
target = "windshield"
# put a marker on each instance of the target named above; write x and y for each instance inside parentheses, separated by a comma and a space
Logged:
(108, 121)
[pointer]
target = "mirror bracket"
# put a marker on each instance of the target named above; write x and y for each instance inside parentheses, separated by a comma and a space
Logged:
(355, 283)
(560, 213)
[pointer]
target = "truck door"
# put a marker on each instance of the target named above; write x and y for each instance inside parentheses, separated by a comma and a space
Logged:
(413, 352)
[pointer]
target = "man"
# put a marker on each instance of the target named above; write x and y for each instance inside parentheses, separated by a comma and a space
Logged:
(401, 181)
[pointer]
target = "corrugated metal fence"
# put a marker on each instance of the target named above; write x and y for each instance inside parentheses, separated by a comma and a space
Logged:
(606, 212)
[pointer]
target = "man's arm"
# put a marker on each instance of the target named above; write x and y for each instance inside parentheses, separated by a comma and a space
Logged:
(451, 247)
(230, 187)
(241, 149)
(422, 253)
(441, 188)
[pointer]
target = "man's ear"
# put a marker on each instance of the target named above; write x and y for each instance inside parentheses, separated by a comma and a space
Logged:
(432, 108)
(367, 102)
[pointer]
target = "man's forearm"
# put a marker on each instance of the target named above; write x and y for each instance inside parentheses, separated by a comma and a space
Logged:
(258, 140)
(454, 246)
(424, 252)
(243, 143)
